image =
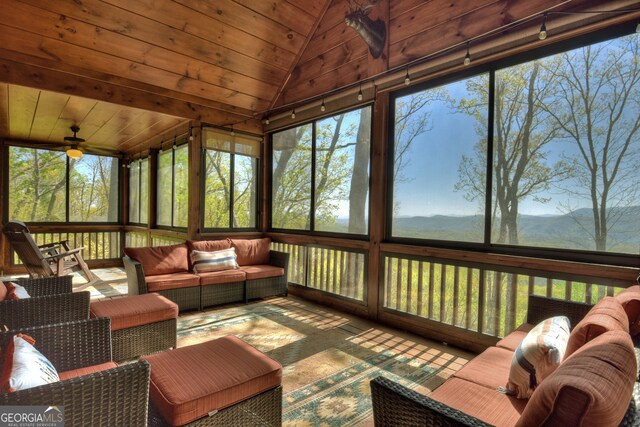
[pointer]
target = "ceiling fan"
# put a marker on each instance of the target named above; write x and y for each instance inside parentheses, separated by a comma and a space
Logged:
(74, 151)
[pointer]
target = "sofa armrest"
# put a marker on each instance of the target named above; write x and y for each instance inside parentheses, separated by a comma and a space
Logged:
(396, 405)
(44, 310)
(117, 396)
(135, 276)
(279, 259)
(541, 308)
(47, 286)
(70, 345)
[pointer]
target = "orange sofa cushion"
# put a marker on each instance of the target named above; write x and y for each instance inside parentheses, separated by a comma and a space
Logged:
(606, 315)
(629, 299)
(66, 375)
(161, 259)
(252, 252)
(513, 340)
(486, 404)
(189, 382)
(490, 368)
(262, 271)
(163, 282)
(206, 246)
(135, 310)
(598, 379)
(220, 277)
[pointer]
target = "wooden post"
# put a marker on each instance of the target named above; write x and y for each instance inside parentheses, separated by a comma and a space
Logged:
(5, 253)
(153, 191)
(378, 201)
(195, 181)
(265, 190)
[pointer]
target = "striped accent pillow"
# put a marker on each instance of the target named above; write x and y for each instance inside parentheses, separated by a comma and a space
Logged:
(537, 356)
(204, 262)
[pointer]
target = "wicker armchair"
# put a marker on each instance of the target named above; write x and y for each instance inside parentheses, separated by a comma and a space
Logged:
(52, 302)
(113, 397)
(396, 405)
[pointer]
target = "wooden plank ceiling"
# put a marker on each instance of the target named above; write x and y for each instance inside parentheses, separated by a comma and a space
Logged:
(222, 62)
(226, 62)
(28, 114)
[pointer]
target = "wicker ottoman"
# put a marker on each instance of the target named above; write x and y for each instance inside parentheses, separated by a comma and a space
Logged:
(140, 324)
(223, 382)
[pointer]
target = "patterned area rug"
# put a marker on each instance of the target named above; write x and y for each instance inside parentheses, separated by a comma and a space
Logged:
(328, 358)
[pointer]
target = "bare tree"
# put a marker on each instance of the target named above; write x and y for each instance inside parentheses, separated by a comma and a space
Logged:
(522, 129)
(597, 104)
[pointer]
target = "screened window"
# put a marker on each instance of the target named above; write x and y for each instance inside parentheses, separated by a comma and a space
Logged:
(139, 191)
(40, 180)
(564, 144)
(320, 175)
(173, 180)
(230, 179)
(435, 138)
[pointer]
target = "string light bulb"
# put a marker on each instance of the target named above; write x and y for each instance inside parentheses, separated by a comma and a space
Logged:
(293, 113)
(322, 107)
(233, 132)
(360, 93)
(543, 28)
(407, 79)
(467, 57)
(266, 120)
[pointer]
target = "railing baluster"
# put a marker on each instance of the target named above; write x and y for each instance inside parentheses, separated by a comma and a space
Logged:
(399, 284)
(431, 289)
(409, 285)
(419, 302)
(456, 292)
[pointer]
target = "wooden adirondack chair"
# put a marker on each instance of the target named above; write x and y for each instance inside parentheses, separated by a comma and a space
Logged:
(48, 260)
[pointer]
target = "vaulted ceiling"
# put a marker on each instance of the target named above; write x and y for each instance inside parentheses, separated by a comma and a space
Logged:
(218, 61)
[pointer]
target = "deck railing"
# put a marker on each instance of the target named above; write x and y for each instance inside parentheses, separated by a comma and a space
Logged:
(484, 298)
(137, 239)
(330, 269)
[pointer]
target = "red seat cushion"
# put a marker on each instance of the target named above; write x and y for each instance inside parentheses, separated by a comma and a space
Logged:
(135, 310)
(3, 291)
(162, 282)
(262, 271)
(488, 405)
(161, 259)
(189, 382)
(252, 252)
(490, 368)
(220, 277)
(513, 340)
(86, 370)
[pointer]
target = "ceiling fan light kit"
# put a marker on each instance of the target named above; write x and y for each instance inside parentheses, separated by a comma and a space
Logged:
(73, 151)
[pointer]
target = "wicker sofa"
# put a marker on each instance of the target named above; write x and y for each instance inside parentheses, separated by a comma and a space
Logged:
(167, 270)
(471, 396)
(93, 390)
(52, 301)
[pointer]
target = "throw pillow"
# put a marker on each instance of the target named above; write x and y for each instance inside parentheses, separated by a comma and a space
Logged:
(591, 388)
(537, 356)
(606, 315)
(16, 292)
(252, 252)
(629, 299)
(25, 367)
(204, 262)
